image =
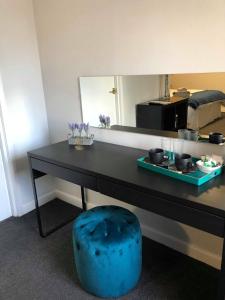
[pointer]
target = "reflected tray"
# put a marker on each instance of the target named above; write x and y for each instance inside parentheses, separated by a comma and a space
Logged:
(195, 176)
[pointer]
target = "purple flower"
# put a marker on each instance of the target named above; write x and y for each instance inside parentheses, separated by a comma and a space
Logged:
(71, 126)
(102, 119)
(86, 127)
(107, 121)
(81, 127)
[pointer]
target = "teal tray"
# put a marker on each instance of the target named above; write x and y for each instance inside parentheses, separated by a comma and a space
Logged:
(197, 177)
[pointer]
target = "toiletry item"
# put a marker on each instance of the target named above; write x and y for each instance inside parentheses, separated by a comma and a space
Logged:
(188, 134)
(183, 161)
(156, 155)
(193, 135)
(182, 92)
(216, 138)
(182, 134)
(207, 164)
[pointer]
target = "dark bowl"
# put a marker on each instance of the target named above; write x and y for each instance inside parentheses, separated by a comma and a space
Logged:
(216, 138)
(156, 156)
(183, 161)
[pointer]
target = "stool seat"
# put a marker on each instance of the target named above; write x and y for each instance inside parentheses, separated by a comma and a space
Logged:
(107, 249)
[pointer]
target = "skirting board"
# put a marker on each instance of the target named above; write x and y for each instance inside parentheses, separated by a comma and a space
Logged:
(71, 199)
(182, 246)
(41, 200)
(158, 236)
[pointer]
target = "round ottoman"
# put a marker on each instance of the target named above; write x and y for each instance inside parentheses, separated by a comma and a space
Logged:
(108, 250)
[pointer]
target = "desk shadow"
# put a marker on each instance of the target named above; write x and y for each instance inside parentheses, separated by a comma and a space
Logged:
(167, 273)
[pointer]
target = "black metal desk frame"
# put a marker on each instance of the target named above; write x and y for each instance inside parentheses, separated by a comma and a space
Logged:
(111, 170)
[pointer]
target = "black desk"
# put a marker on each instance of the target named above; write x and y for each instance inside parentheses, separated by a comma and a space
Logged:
(112, 170)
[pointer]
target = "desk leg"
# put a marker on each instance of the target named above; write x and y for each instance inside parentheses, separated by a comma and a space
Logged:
(38, 213)
(40, 227)
(221, 287)
(84, 204)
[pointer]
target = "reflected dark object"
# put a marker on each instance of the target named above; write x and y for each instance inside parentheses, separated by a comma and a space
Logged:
(183, 161)
(155, 114)
(216, 138)
(156, 155)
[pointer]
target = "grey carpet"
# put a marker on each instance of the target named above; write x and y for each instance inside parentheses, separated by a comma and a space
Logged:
(35, 268)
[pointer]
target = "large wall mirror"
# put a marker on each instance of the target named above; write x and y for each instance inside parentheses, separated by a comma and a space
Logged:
(156, 103)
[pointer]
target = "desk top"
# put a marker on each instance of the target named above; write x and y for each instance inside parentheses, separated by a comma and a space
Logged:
(118, 164)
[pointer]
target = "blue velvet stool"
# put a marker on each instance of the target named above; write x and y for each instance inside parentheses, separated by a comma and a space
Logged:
(108, 250)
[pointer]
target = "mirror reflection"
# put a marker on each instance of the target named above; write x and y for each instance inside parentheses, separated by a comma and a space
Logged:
(165, 102)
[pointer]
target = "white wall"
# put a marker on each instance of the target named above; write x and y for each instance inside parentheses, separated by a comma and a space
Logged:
(5, 204)
(98, 37)
(5, 208)
(206, 81)
(22, 97)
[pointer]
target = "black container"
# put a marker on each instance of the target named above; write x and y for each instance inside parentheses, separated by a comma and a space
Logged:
(156, 156)
(216, 138)
(183, 162)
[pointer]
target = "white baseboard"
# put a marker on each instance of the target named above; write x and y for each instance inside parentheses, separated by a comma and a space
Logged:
(182, 246)
(74, 200)
(50, 196)
(41, 200)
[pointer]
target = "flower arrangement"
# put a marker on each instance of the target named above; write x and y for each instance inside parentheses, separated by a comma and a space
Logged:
(79, 129)
(104, 121)
(80, 134)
